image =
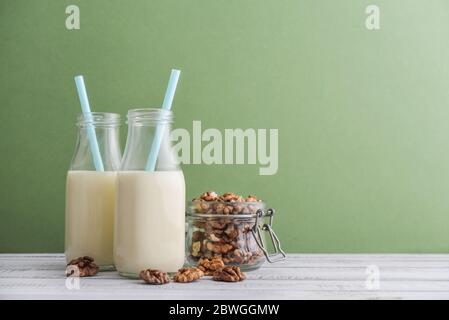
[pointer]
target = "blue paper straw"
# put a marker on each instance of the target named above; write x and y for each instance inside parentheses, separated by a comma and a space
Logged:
(166, 105)
(93, 143)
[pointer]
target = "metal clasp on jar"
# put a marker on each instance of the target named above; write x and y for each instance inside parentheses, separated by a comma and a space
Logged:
(278, 254)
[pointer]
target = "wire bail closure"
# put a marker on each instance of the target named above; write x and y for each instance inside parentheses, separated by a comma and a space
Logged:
(278, 254)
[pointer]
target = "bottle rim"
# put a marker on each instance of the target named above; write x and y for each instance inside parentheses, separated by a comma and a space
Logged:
(99, 119)
(149, 116)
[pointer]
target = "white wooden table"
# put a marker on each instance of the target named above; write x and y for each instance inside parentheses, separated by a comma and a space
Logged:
(301, 276)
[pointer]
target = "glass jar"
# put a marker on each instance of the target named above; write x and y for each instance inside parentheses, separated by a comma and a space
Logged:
(150, 216)
(90, 194)
(233, 231)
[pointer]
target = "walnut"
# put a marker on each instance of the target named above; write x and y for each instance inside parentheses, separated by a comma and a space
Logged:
(246, 210)
(213, 237)
(209, 266)
(226, 247)
(185, 275)
(229, 274)
(252, 198)
(199, 223)
(196, 248)
(218, 247)
(237, 209)
(231, 197)
(209, 196)
(227, 209)
(210, 230)
(207, 254)
(153, 276)
(210, 246)
(231, 231)
(86, 266)
(216, 224)
(247, 227)
(237, 256)
(204, 246)
(219, 207)
(197, 236)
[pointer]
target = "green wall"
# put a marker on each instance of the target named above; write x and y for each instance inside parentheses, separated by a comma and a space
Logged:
(363, 116)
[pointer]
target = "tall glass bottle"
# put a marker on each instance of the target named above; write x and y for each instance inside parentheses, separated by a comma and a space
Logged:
(150, 216)
(90, 194)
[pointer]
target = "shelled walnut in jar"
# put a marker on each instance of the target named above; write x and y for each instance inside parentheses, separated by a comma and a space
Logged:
(224, 226)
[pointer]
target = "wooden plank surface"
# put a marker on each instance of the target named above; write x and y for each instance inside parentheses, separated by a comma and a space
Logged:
(301, 276)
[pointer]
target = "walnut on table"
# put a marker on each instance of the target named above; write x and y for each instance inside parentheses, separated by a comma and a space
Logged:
(86, 267)
(185, 275)
(154, 276)
(229, 274)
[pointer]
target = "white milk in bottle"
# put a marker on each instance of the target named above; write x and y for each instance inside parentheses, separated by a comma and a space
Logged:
(150, 223)
(150, 212)
(90, 194)
(90, 209)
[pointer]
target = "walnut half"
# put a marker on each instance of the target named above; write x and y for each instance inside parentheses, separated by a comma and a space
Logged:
(154, 276)
(229, 274)
(86, 267)
(209, 266)
(185, 275)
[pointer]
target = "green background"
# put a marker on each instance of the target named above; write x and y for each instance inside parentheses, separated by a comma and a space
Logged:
(363, 116)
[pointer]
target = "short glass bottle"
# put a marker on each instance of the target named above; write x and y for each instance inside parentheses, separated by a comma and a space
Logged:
(150, 216)
(90, 194)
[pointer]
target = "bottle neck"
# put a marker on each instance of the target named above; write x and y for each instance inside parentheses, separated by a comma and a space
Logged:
(101, 130)
(148, 141)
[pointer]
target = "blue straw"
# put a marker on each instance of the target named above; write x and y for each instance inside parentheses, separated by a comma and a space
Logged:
(166, 105)
(93, 143)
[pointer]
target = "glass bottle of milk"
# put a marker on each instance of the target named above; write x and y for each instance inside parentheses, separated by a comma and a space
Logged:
(150, 215)
(90, 194)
